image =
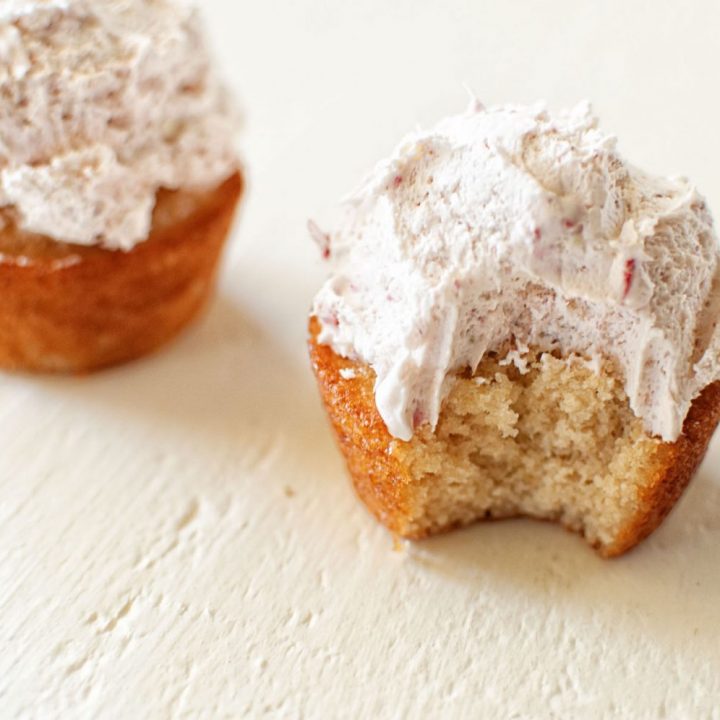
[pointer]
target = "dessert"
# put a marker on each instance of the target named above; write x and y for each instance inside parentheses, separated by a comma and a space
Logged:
(518, 322)
(118, 179)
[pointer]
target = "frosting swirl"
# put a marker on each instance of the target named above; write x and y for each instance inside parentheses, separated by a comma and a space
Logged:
(103, 102)
(511, 228)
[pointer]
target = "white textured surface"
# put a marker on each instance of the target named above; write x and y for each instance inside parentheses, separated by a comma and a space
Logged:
(177, 538)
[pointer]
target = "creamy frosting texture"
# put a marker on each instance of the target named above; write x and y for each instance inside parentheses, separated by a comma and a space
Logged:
(510, 228)
(103, 102)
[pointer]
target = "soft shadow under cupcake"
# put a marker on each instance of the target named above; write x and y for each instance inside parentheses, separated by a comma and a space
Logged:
(222, 387)
(667, 589)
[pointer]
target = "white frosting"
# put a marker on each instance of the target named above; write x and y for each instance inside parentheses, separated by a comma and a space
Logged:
(512, 225)
(103, 102)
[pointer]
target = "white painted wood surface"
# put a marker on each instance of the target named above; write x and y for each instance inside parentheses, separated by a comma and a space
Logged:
(178, 538)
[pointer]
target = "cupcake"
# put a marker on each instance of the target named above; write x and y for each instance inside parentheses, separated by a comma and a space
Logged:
(520, 323)
(118, 179)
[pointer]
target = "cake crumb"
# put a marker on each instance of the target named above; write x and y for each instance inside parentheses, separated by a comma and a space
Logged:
(399, 544)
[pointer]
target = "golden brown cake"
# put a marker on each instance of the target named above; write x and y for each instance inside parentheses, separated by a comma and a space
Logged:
(559, 443)
(69, 308)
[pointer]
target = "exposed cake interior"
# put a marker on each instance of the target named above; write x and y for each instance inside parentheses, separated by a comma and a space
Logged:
(538, 434)
(557, 442)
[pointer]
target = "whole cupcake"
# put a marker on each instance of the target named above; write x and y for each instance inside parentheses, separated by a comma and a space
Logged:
(118, 179)
(518, 322)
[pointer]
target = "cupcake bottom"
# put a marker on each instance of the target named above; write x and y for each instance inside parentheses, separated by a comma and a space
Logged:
(557, 443)
(69, 308)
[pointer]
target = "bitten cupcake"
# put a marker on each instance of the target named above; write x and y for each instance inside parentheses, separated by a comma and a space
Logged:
(518, 322)
(119, 179)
